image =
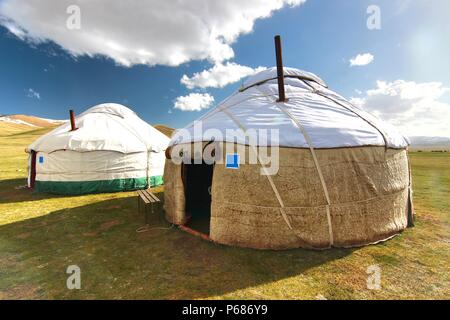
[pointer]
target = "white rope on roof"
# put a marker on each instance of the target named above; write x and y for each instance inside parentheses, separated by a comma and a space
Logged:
(305, 134)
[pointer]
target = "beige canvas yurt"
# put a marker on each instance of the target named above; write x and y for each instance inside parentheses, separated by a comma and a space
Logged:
(343, 176)
(285, 162)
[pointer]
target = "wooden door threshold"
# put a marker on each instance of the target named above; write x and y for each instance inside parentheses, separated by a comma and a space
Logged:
(195, 233)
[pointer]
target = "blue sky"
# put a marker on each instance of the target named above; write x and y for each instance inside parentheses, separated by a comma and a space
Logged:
(320, 36)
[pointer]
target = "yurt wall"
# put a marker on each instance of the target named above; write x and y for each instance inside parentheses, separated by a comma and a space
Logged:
(367, 186)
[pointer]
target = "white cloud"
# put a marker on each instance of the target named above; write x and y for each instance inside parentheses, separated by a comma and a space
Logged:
(359, 102)
(219, 75)
(31, 93)
(361, 59)
(194, 102)
(168, 32)
(415, 108)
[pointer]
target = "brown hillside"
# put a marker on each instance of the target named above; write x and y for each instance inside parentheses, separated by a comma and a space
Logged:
(7, 128)
(168, 131)
(33, 120)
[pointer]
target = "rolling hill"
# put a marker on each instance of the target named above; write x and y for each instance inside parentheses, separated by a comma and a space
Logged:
(30, 121)
(168, 131)
(16, 123)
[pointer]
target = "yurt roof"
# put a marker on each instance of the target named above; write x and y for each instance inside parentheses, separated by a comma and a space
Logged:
(313, 115)
(108, 126)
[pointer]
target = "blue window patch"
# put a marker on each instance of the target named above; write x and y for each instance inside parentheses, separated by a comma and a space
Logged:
(41, 159)
(232, 161)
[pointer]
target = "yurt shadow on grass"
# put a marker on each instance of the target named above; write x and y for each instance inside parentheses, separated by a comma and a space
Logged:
(117, 262)
(15, 190)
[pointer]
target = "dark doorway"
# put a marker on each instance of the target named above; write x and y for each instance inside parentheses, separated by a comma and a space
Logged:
(197, 190)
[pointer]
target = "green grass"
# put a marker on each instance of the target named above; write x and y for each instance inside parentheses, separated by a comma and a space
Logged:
(40, 235)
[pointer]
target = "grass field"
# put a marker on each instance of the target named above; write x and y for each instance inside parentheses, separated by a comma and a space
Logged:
(41, 235)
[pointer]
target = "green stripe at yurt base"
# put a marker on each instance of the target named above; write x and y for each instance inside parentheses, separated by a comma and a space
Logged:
(156, 181)
(84, 187)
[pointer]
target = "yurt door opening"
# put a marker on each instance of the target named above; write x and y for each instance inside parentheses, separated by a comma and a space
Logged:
(197, 190)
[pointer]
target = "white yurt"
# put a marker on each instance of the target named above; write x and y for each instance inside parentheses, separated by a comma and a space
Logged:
(107, 148)
(343, 176)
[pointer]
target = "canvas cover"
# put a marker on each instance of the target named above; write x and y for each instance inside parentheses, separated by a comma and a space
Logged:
(112, 150)
(329, 119)
(369, 191)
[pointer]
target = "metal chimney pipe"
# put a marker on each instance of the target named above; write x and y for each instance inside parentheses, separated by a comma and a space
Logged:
(280, 74)
(72, 121)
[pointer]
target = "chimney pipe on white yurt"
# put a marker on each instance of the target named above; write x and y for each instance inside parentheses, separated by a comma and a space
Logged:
(72, 121)
(280, 74)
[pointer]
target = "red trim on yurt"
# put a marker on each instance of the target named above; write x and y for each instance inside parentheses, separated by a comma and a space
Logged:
(33, 169)
(195, 233)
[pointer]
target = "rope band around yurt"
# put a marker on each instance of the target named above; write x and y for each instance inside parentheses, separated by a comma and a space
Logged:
(272, 184)
(316, 163)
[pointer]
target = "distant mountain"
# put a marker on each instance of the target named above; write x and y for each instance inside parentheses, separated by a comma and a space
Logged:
(430, 142)
(30, 121)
